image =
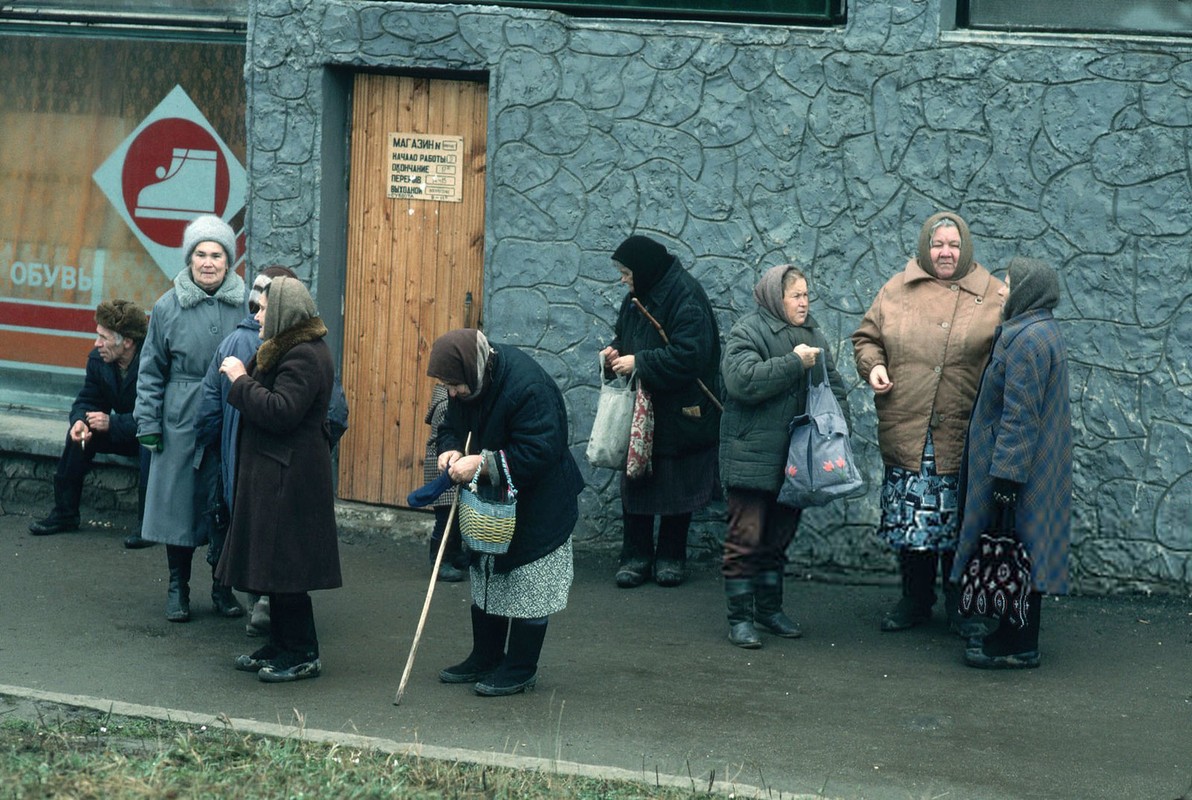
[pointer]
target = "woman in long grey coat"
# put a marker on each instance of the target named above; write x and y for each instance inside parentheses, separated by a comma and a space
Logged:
(282, 542)
(185, 327)
(768, 365)
(1019, 454)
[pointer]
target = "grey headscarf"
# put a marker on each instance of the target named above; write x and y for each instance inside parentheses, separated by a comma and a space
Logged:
(289, 304)
(1033, 285)
(768, 291)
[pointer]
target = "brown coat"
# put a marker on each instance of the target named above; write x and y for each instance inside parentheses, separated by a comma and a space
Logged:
(934, 338)
(283, 535)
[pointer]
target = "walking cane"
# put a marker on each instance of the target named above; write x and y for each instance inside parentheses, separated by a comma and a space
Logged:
(430, 591)
(666, 340)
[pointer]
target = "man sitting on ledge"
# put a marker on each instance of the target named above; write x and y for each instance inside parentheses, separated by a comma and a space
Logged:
(101, 417)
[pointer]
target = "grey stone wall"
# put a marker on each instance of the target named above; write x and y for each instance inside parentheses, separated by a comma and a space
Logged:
(744, 146)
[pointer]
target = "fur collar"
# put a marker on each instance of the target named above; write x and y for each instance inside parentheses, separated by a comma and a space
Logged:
(272, 350)
(230, 292)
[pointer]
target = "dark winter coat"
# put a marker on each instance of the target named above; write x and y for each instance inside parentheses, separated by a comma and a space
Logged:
(685, 420)
(766, 386)
(104, 390)
(1021, 431)
(283, 534)
(520, 410)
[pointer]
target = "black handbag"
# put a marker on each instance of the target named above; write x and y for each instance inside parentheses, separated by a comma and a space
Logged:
(997, 580)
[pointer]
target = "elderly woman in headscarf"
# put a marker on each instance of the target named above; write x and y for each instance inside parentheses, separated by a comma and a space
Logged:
(921, 347)
(666, 332)
(1019, 455)
(506, 423)
(282, 542)
(768, 365)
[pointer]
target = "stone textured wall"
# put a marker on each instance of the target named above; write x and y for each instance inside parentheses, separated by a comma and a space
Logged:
(744, 146)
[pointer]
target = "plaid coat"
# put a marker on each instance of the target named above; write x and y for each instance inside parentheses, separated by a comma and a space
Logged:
(1021, 430)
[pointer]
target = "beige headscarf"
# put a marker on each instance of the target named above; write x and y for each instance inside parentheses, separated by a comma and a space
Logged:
(289, 304)
(964, 263)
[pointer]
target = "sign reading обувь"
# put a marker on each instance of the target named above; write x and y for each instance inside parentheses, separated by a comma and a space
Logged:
(424, 166)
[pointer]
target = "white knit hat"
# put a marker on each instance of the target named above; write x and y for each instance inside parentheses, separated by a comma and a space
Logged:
(208, 228)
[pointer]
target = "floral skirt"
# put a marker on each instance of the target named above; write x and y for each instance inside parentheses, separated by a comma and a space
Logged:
(920, 510)
(537, 589)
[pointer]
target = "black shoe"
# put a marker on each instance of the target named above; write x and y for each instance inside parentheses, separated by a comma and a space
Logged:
(467, 671)
(449, 573)
(52, 524)
(743, 634)
(135, 542)
(633, 573)
(905, 615)
(498, 686)
(225, 602)
(288, 668)
(976, 657)
(257, 660)
(669, 573)
(780, 624)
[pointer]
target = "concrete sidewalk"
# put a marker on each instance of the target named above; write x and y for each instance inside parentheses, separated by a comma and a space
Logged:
(642, 681)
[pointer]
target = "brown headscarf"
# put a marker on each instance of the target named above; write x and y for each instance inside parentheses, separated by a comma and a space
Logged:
(460, 356)
(964, 263)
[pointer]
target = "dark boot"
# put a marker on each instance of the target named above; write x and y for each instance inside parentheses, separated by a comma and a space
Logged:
(68, 494)
(637, 551)
(488, 648)
(224, 600)
(178, 595)
(738, 593)
(670, 567)
(967, 628)
(767, 611)
(918, 591)
(519, 669)
(293, 634)
(1009, 647)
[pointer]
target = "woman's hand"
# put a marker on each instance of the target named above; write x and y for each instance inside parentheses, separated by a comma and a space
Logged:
(623, 365)
(233, 368)
(879, 380)
(446, 457)
(807, 354)
(464, 467)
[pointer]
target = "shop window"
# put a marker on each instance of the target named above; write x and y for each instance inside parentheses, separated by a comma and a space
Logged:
(67, 103)
(1171, 17)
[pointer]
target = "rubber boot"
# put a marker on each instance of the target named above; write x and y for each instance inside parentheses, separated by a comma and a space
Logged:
(767, 610)
(178, 594)
(65, 515)
(224, 600)
(637, 551)
(1009, 647)
(738, 593)
(918, 591)
(670, 566)
(519, 669)
(488, 648)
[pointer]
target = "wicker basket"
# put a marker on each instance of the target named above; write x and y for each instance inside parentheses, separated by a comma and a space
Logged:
(488, 515)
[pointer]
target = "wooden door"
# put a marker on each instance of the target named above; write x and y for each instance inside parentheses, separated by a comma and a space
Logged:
(414, 271)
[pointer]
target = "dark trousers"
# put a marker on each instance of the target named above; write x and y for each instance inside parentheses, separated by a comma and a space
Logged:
(292, 624)
(759, 531)
(75, 463)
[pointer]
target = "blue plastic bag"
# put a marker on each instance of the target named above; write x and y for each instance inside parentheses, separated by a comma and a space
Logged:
(819, 462)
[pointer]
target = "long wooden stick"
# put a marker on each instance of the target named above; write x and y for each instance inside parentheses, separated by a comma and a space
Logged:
(666, 340)
(430, 592)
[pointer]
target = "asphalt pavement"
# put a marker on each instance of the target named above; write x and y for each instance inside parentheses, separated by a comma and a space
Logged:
(638, 682)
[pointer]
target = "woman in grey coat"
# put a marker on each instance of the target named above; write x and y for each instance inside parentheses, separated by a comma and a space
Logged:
(185, 327)
(767, 366)
(1018, 461)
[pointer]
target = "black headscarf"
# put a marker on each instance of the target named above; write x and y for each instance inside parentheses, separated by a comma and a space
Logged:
(1033, 285)
(646, 259)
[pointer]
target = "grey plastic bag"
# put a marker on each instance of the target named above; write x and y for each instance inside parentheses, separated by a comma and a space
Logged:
(819, 462)
(608, 445)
